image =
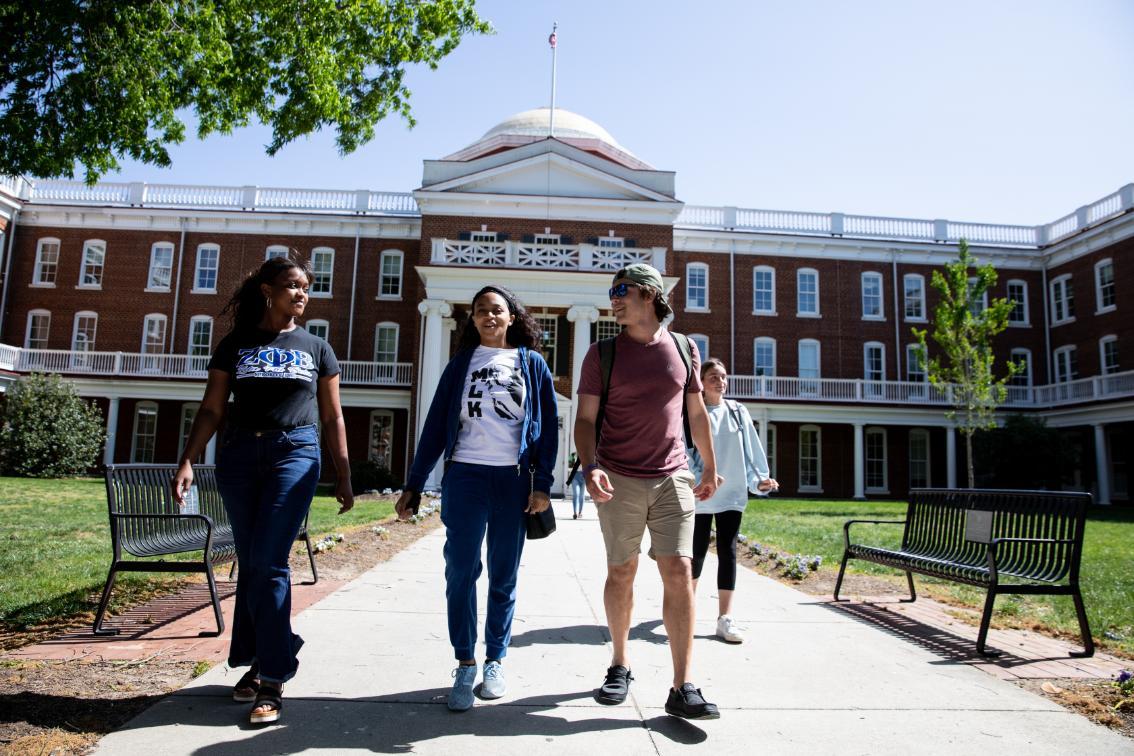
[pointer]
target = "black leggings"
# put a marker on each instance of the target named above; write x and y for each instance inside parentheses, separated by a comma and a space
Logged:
(728, 527)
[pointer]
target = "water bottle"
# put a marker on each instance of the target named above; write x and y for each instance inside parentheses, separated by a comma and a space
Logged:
(190, 503)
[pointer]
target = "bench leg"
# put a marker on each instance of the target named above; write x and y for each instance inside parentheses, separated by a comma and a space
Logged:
(1084, 628)
(985, 619)
(216, 602)
(842, 570)
(104, 602)
(311, 558)
(913, 591)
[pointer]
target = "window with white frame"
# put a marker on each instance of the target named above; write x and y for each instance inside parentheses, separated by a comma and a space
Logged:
(770, 450)
(200, 341)
(153, 340)
(915, 364)
(1018, 296)
(1104, 286)
(607, 328)
(46, 262)
(549, 339)
(94, 264)
(188, 415)
(1022, 357)
(205, 273)
(807, 292)
(809, 359)
(380, 449)
(386, 343)
(84, 332)
(872, 296)
(320, 328)
(161, 267)
(919, 458)
(547, 239)
(763, 290)
(276, 250)
(913, 296)
(1108, 354)
(702, 342)
(39, 328)
(1066, 364)
(764, 356)
(696, 286)
(611, 242)
(1062, 300)
(810, 458)
(977, 305)
(390, 275)
(875, 477)
(145, 432)
(322, 271)
(874, 367)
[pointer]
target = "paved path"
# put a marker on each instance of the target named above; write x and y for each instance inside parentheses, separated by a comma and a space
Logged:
(811, 678)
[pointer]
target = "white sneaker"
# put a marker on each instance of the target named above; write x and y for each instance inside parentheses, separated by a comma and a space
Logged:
(728, 631)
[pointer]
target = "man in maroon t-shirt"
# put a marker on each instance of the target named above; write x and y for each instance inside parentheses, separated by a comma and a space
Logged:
(639, 479)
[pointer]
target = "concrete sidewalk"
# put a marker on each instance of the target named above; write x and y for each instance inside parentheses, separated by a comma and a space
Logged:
(811, 678)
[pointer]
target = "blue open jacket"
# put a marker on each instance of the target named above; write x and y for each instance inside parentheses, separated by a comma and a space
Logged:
(539, 438)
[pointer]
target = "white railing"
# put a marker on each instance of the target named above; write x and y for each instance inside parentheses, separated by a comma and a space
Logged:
(135, 364)
(543, 256)
(912, 229)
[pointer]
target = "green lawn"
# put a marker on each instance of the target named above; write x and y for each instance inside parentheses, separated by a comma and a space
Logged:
(56, 547)
(809, 526)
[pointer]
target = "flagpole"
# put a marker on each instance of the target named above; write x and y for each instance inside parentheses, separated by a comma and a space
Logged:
(552, 41)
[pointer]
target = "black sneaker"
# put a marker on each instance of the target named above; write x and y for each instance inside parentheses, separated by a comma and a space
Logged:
(688, 703)
(615, 686)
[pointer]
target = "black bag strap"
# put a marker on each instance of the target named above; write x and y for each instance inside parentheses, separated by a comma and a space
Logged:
(681, 341)
(606, 367)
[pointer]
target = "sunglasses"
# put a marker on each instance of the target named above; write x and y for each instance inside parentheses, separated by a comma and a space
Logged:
(619, 290)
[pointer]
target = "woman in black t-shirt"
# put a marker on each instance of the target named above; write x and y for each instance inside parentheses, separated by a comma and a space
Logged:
(283, 380)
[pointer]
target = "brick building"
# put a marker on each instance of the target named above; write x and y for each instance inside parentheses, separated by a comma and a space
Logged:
(120, 287)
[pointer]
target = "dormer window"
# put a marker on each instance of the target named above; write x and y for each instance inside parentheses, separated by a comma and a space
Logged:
(611, 242)
(546, 239)
(482, 236)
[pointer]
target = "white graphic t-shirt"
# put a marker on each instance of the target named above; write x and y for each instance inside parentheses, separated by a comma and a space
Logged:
(492, 408)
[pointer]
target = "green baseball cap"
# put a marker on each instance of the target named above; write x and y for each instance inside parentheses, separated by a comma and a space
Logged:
(646, 275)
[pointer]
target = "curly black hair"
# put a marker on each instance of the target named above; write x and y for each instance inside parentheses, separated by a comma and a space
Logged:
(247, 304)
(524, 331)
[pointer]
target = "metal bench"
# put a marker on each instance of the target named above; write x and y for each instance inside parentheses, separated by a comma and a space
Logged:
(145, 521)
(983, 537)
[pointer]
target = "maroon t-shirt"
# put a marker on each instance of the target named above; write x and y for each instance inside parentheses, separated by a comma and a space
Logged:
(642, 434)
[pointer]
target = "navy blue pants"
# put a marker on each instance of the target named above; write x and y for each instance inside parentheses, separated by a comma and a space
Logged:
(267, 480)
(476, 499)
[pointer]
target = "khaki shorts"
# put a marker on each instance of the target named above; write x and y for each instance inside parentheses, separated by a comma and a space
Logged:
(665, 505)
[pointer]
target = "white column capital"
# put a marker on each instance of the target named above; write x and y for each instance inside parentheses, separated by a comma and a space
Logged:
(435, 307)
(583, 314)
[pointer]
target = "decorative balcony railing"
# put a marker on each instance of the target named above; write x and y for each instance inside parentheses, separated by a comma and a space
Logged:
(513, 254)
(140, 365)
(910, 229)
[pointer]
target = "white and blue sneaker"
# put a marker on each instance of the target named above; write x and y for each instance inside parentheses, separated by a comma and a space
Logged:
(461, 696)
(492, 685)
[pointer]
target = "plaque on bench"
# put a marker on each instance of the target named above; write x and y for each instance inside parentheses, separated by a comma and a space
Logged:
(978, 525)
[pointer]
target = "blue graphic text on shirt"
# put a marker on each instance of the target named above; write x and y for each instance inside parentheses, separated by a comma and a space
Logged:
(273, 362)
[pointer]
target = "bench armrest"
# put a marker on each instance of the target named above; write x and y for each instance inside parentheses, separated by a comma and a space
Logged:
(209, 526)
(848, 523)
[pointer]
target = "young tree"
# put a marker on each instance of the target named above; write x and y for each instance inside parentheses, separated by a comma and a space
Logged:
(963, 329)
(90, 81)
(47, 430)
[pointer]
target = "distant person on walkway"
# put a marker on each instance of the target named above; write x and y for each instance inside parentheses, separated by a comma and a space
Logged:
(744, 466)
(283, 380)
(493, 419)
(638, 476)
(578, 489)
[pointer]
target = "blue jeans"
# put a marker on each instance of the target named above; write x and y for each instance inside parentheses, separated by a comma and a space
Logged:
(476, 499)
(578, 491)
(267, 480)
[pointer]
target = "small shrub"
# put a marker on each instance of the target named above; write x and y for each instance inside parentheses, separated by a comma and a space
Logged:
(369, 475)
(47, 430)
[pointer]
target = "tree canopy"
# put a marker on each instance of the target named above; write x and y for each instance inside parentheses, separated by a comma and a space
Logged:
(87, 82)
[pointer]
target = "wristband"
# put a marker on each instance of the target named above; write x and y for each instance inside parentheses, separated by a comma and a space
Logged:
(587, 468)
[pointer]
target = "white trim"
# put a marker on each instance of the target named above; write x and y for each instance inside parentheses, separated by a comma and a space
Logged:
(764, 269)
(87, 245)
(1067, 297)
(183, 431)
(75, 330)
(1027, 321)
(881, 316)
(1103, 341)
(376, 413)
(32, 314)
(319, 322)
(276, 250)
(331, 280)
(817, 487)
(401, 255)
(770, 444)
(154, 248)
(866, 347)
(134, 434)
(756, 343)
(193, 321)
(36, 279)
(212, 247)
(156, 317)
(1100, 308)
(689, 269)
(698, 338)
(799, 313)
(866, 434)
(386, 324)
(1064, 373)
(920, 278)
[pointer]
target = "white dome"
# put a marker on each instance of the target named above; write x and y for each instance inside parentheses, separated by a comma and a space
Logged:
(534, 125)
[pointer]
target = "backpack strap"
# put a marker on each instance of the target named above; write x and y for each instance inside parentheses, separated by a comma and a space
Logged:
(738, 416)
(681, 341)
(606, 367)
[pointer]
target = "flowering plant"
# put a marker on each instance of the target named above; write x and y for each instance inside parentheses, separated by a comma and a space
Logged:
(1125, 684)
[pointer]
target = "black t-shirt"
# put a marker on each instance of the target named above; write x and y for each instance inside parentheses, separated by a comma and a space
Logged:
(274, 376)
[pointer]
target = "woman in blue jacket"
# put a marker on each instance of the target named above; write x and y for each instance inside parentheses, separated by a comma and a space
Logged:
(493, 419)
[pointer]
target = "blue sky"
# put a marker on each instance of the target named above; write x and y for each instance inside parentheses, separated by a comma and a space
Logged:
(1002, 112)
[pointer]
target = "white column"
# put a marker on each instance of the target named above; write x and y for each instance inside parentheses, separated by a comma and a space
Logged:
(859, 463)
(211, 450)
(431, 364)
(111, 431)
(1102, 469)
(951, 457)
(582, 316)
(448, 325)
